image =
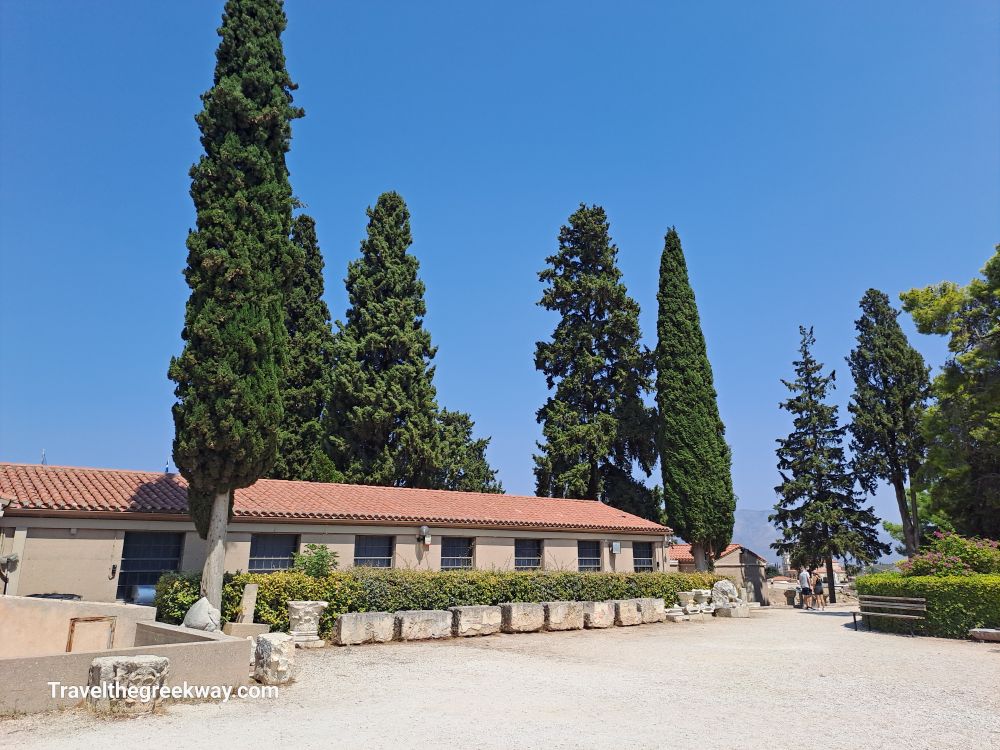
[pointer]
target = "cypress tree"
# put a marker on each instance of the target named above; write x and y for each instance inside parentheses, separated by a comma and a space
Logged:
(819, 512)
(384, 426)
(890, 390)
(306, 386)
(240, 261)
(596, 427)
(694, 456)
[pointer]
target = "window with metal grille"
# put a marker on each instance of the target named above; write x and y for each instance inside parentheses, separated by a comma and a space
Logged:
(527, 554)
(270, 552)
(588, 556)
(146, 555)
(642, 557)
(373, 551)
(456, 553)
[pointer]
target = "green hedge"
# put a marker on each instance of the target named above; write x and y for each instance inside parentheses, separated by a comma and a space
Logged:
(380, 590)
(955, 604)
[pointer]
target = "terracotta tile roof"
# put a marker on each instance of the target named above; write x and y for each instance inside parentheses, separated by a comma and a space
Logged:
(32, 488)
(682, 552)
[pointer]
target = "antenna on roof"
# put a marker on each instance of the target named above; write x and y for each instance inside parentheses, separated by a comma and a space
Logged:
(166, 467)
(45, 461)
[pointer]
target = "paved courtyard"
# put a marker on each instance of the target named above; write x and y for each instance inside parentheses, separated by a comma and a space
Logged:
(784, 679)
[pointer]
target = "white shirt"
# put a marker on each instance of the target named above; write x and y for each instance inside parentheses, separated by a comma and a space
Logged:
(804, 579)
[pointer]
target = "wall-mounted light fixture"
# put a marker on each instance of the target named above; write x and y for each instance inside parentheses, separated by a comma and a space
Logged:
(424, 535)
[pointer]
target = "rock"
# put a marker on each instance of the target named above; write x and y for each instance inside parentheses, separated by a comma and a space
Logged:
(364, 627)
(685, 598)
(128, 685)
(598, 614)
(522, 617)
(985, 634)
(652, 610)
(203, 616)
(303, 621)
(627, 612)
(248, 630)
(477, 620)
(724, 592)
(740, 610)
(274, 658)
(563, 615)
(423, 624)
(678, 618)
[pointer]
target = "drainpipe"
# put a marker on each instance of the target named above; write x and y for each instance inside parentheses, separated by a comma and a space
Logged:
(6, 561)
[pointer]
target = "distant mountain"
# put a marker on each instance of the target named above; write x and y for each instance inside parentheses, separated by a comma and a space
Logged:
(755, 532)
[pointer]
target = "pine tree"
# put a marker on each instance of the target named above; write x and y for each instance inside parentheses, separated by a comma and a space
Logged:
(819, 512)
(596, 427)
(890, 390)
(240, 262)
(306, 386)
(694, 456)
(384, 426)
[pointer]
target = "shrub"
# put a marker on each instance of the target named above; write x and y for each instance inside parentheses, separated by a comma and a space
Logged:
(949, 554)
(317, 561)
(382, 590)
(955, 604)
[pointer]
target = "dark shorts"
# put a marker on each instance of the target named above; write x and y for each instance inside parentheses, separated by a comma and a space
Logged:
(807, 591)
(819, 590)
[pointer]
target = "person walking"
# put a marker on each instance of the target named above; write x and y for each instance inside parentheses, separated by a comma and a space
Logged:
(819, 594)
(805, 587)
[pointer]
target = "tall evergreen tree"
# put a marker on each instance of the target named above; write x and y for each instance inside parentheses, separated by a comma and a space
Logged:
(819, 512)
(384, 426)
(596, 427)
(306, 386)
(962, 427)
(240, 262)
(694, 456)
(890, 391)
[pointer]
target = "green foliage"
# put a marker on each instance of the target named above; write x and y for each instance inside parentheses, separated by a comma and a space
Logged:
(317, 561)
(596, 427)
(951, 554)
(819, 512)
(955, 604)
(891, 389)
(381, 590)
(694, 458)
(240, 263)
(962, 428)
(384, 426)
(306, 386)
(931, 520)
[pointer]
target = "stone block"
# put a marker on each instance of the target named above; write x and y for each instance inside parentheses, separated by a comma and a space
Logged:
(985, 634)
(245, 629)
(522, 617)
(274, 658)
(740, 610)
(627, 612)
(353, 628)
(423, 624)
(303, 622)
(652, 610)
(598, 614)
(563, 615)
(678, 618)
(126, 685)
(478, 620)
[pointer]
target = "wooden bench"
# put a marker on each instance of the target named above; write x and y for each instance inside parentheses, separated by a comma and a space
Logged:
(899, 608)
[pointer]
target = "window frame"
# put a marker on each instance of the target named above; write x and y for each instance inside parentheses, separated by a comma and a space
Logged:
(589, 563)
(458, 562)
(646, 567)
(529, 561)
(272, 537)
(131, 572)
(375, 561)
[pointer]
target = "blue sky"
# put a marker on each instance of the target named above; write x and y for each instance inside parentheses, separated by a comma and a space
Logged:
(805, 152)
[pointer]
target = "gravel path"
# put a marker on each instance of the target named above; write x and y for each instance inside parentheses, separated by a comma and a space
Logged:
(716, 684)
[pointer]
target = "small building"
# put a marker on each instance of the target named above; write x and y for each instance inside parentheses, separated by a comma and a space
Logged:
(738, 563)
(97, 533)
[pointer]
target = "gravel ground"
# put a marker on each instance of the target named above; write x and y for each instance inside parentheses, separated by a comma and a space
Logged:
(719, 683)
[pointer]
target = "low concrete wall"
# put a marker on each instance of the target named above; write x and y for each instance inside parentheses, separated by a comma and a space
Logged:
(216, 659)
(34, 627)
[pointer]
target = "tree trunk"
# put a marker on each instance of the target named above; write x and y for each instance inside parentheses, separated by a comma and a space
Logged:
(915, 517)
(830, 580)
(215, 560)
(700, 558)
(594, 481)
(909, 533)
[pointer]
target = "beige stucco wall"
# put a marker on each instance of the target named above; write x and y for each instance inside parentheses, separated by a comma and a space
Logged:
(55, 559)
